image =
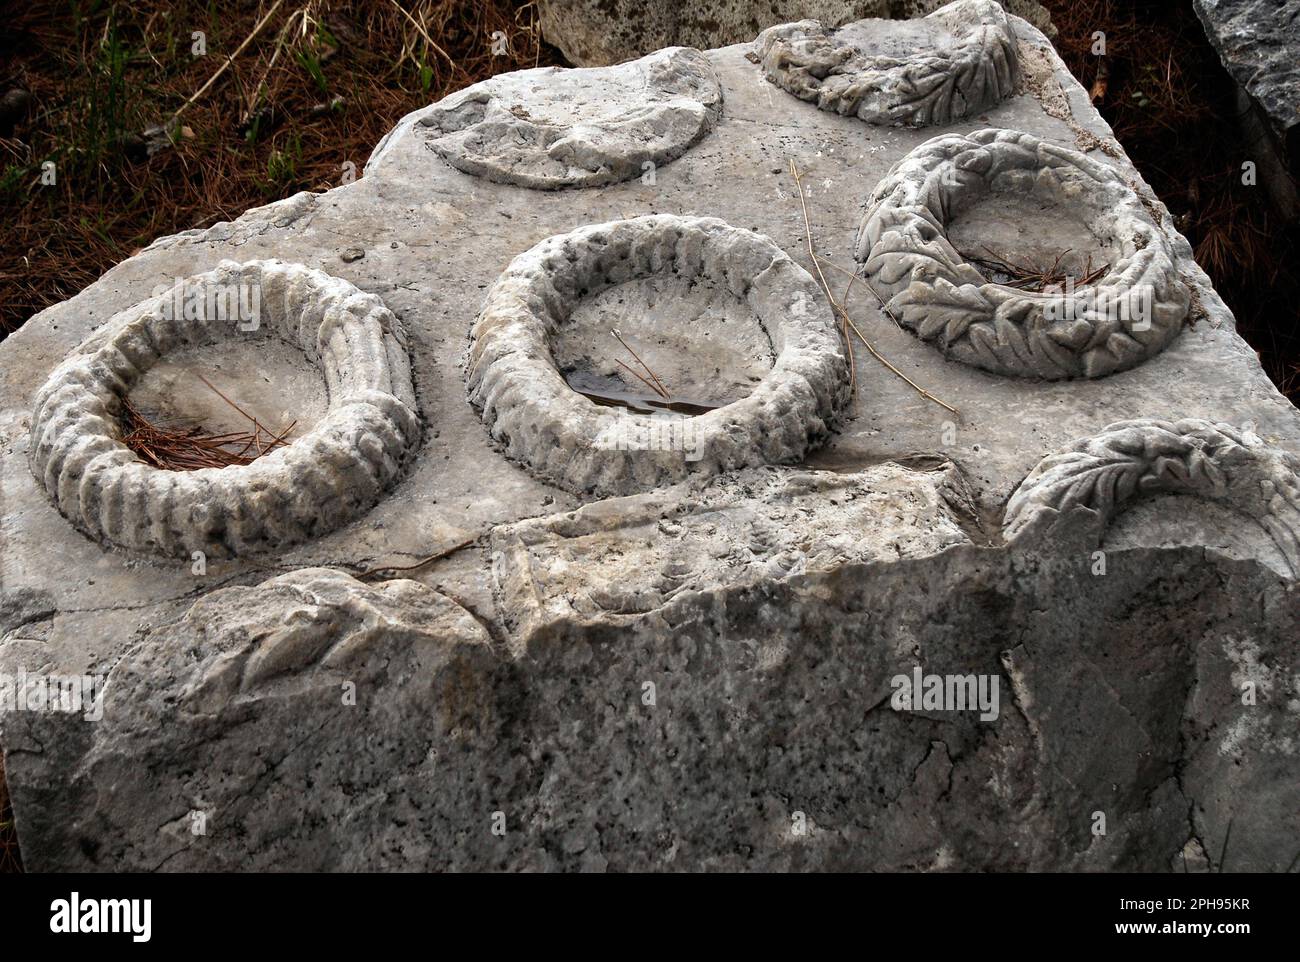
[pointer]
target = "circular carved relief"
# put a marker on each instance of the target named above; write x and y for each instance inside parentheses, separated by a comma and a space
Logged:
(716, 311)
(317, 482)
(934, 70)
(553, 127)
(1089, 482)
(1128, 315)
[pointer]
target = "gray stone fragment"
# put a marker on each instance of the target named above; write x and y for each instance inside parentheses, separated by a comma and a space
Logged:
(619, 559)
(275, 726)
(593, 33)
(550, 128)
(695, 679)
(743, 719)
(1259, 43)
(953, 63)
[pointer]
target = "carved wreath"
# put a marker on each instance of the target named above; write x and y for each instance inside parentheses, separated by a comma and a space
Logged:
(1088, 482)
(566, 439)
(321, 480)
(1128, 316)
(935, 85)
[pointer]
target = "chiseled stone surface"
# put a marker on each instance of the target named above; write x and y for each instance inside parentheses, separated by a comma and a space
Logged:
(616, 560)
(681, 677)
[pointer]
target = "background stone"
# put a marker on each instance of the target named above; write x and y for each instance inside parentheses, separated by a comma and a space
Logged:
(599, 32)
(1259, 43)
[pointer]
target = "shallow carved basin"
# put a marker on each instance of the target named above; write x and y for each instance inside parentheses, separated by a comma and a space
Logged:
(550, 128)
(703, 344)
(269, 380)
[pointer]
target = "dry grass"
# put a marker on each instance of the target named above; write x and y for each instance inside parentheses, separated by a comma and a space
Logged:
(658, 385)
(10, 858)
(312, 91)
(1024, 275)
(191, 448)
(1171, 103)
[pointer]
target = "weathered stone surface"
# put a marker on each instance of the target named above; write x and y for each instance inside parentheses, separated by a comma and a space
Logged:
(594, 33)
(683, 677)
(296, 722)
(550, 128)
(1259, 43)
(955, 62)
(686, 726)
(904, 245)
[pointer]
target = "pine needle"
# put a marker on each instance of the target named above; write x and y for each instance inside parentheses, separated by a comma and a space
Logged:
(844, 315)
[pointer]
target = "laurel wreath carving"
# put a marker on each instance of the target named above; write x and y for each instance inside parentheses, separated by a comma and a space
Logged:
(1128, 316)
(1088, 482)
(935, 86)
